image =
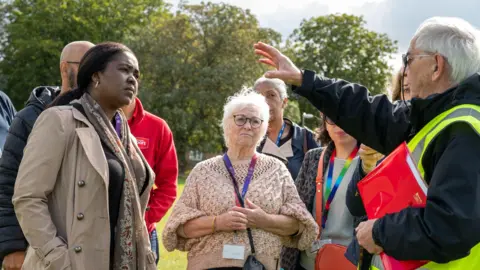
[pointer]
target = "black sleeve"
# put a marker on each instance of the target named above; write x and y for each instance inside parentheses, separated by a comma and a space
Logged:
(11, 236)
(449, 226)
(373, 120)
(353, 200)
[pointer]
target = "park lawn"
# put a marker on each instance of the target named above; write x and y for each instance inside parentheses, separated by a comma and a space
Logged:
(175, 260)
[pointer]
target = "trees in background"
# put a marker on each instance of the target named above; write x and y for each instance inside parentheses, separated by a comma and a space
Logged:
(340, 46)
(191, 59)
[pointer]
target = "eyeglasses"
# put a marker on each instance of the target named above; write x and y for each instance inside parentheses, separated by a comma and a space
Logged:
(328, 121)
(73, 62)
(241, 120)
(407, 58)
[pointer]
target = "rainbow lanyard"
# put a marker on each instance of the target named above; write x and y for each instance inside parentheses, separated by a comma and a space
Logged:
(329, 192)
(279, 138)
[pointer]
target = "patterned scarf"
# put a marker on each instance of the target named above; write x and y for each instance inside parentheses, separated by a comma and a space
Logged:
(131, 234)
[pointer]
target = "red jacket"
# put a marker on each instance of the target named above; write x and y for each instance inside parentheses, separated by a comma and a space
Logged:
(155, 140)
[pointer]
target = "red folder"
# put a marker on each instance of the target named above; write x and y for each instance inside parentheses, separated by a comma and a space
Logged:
(393, 185)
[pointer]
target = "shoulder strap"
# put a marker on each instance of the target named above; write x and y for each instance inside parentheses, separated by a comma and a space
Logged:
(79, 107)
(319, 191)
(305, 146)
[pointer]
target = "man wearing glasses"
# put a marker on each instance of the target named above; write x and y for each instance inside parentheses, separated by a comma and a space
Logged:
(12, 242)
(442, 127)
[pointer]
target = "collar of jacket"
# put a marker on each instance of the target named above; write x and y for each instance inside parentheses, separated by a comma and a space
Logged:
(79, 116)
(423, 111)
(41, 96)
(138, 113)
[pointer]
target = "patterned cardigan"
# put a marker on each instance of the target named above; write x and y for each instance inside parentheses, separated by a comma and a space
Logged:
(305, 183)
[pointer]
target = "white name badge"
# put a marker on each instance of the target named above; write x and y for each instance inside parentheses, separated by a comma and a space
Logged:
(318, 244)
(235, 252)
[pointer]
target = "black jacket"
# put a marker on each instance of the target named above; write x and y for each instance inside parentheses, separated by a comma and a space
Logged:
(11, 236)
(449, 226)
(7, 112)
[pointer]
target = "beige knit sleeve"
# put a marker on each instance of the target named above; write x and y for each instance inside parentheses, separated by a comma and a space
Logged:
(294, 207)
(186, 209)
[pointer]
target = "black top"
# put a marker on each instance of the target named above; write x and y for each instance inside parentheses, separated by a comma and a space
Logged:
(449, 226)
(115, 189)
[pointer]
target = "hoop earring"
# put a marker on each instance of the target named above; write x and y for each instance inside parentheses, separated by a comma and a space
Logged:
(96, 84)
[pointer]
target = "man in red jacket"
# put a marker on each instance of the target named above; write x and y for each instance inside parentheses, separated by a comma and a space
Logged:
(155, 140)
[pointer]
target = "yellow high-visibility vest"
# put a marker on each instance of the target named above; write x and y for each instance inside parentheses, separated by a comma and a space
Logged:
(469, 114)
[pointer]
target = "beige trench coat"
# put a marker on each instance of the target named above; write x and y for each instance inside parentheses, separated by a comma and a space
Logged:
(61, 196)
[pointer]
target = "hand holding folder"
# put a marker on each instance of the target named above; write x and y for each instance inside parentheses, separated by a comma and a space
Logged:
(393, 185)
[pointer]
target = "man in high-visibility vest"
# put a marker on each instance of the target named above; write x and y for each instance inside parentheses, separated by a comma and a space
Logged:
(442, 126)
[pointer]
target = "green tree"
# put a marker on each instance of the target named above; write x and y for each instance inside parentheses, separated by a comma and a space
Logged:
(192, 61)
(340, 46)
(33, 33)
(292, 111)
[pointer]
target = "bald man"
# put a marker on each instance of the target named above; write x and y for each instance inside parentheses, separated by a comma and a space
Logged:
(12, 241)
(69, 61)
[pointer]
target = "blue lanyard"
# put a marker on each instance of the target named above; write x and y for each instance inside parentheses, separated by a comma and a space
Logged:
(280, 134)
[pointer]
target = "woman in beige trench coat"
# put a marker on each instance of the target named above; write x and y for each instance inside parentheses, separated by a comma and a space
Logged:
(83, 184)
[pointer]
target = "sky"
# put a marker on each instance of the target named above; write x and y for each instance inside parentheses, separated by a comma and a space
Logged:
(399, 19)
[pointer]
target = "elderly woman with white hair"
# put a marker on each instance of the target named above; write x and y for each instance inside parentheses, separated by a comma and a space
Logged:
(209, 221)
(285, 140)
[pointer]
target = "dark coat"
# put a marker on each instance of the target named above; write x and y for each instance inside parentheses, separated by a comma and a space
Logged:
(449, 226)
(11, 236)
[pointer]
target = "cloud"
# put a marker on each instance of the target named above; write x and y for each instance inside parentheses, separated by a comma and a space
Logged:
(401, 18)
(281, 15)
(285, 19)
(397, 18)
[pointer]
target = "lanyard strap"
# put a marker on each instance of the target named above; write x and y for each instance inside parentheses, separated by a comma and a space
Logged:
(239, 198)
(118, 125)
(329, 192)
(248, 178)
(280, 134)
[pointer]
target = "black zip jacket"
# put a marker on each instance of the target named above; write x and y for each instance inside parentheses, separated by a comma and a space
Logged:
(449, 226)
(11, 236)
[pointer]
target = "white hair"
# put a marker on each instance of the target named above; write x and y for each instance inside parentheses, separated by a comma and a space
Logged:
(277, 84)
(245, 98)
(456, 40)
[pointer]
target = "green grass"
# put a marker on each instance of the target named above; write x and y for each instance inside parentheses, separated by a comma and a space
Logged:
(175, 260)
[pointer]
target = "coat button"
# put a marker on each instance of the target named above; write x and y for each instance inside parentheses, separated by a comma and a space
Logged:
(81, 183)
(80, 216)
(78, 249)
